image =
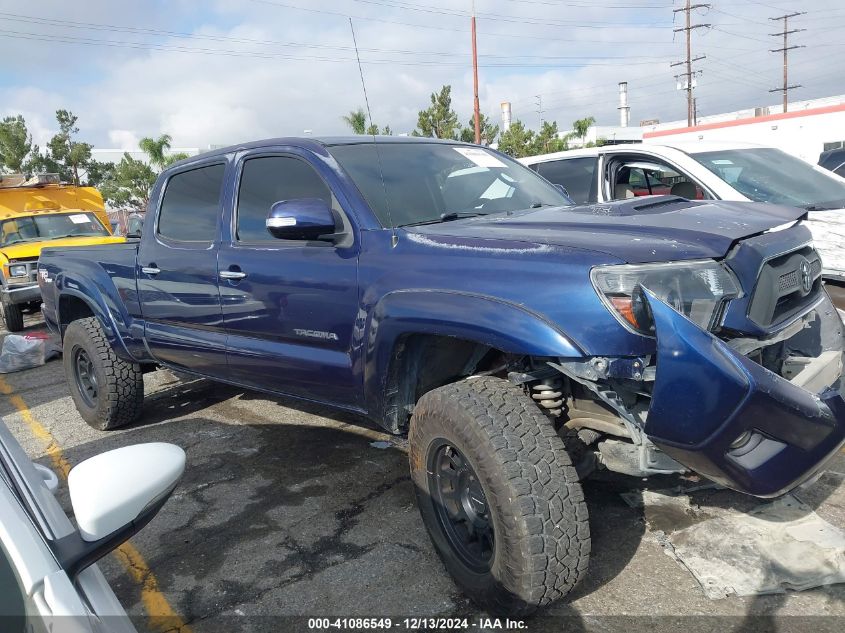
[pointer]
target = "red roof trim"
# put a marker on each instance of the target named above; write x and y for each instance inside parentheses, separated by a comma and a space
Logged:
(757, 119)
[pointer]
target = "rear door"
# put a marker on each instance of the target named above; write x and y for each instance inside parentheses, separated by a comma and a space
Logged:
(177, 276)
(291, 307)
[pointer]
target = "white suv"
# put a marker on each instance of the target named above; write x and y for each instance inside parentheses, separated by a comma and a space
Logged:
(705, 170)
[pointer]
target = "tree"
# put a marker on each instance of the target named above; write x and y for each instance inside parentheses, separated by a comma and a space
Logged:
(156, 151)
(489, 131)
(372, 130)
(548, 140)
(439, 120)
(582, 126)
(129, 184)
(387, 131)
(72, 156)
(517, 140)
(357, 120)
(15, 143)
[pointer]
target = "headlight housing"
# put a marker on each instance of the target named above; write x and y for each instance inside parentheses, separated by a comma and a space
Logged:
(17, 270)
(696, 289)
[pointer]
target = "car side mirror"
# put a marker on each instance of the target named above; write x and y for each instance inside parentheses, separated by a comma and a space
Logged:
(134, 226)
(301, 219)
(113, 496)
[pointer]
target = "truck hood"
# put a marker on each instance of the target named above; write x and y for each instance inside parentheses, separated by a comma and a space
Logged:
(659, 228)
(26, 250)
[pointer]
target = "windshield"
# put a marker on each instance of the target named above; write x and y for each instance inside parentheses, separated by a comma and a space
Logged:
(770, 175)
(37, 228)
(432, 182)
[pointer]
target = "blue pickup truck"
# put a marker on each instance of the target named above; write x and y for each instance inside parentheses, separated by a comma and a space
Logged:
(447, 292)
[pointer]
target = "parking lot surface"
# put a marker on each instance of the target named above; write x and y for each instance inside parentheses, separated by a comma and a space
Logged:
(288, 509)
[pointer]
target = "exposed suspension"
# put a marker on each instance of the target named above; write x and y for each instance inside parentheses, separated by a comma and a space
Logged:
(548, 394)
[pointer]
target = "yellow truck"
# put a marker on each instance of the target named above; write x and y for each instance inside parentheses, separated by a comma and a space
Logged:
(36, 213)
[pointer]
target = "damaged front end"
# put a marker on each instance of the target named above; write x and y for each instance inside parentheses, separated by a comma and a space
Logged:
(746, 391)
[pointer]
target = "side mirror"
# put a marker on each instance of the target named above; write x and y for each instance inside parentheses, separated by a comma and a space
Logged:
(134, 226)
(301, 219)
(563, 190)
(114, 495)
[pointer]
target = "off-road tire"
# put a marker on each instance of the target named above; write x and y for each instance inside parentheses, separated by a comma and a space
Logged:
(542, 536)
(13, 317)
(120, 383)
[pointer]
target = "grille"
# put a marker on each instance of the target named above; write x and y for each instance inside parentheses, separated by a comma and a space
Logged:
(779, 293)
(788, 281)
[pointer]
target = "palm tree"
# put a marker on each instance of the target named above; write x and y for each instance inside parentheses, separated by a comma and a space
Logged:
(357, 120)
(582, 126)
(155, 149)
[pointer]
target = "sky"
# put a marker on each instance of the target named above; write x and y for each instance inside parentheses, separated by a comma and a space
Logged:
(215, 72)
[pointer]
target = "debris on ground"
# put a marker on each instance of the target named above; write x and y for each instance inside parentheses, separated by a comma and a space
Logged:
(775, 547)
(21, 352)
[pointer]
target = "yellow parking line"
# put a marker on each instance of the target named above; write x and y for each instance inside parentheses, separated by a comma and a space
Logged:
(161, 614)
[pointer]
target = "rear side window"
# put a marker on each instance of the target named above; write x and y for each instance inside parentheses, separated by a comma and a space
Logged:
(576, 174)
(272, 179)
(190, 210)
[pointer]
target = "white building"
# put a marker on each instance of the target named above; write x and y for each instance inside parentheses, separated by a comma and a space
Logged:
(805, 130)
(611, 134)
(111, 155)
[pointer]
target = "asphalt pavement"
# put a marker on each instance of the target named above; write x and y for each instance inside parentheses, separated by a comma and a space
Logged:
(288, 509)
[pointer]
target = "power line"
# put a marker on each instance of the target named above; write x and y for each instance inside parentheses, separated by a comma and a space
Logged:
(42, 21)
(785, 50)
(688, 29)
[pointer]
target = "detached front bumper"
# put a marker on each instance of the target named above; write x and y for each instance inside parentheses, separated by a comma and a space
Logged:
(736, 422)
(20, 294)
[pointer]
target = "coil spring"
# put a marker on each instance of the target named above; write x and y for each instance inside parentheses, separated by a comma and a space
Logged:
(548, 394)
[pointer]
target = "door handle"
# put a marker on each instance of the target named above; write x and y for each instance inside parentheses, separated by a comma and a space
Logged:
(150, 270)
(232, 275)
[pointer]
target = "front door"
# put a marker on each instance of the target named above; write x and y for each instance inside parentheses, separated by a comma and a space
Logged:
(289, 306)
(177, 276)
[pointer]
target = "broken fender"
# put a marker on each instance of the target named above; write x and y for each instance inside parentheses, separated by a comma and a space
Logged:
(732, 420)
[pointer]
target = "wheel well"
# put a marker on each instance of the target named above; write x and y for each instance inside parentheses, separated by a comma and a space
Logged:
(422, 362)
(72, 309)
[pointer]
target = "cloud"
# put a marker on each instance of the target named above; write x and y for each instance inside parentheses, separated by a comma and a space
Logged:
(256, 69)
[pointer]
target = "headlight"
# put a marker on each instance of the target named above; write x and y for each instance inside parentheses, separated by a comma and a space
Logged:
(17, 270)
(695, 289)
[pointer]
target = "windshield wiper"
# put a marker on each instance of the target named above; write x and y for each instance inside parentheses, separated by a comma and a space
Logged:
(820, 207)
(447, 217)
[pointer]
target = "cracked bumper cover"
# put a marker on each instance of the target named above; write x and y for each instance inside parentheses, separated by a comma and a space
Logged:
(706, 396)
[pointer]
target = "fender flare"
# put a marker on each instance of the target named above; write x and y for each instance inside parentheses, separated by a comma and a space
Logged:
(117, 331)
(480, 318)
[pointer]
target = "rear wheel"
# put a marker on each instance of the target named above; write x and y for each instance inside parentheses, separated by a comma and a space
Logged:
(107, 390)
(13, 317)
(498, 495)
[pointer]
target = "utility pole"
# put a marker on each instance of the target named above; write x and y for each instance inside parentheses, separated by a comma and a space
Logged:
(475, 106)
(690, 59)
(785, 50)
(539, 103)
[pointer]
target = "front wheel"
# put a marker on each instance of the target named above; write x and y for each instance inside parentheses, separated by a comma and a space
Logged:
(107, 390)
(13, 317)
(498, 495)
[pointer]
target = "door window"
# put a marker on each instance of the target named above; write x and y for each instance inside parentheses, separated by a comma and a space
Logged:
(578, 175)
(268, 180)
(639, 176)
(190, 210)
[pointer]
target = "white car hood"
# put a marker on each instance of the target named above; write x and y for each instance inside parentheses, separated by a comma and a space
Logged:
(828, 229)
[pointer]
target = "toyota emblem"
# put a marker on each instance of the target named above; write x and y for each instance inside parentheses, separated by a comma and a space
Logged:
(806, 276)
